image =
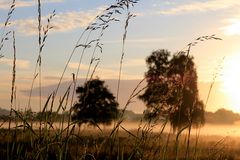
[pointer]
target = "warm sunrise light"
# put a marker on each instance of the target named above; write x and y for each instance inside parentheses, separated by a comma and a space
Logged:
(233, 29)
(231, 81)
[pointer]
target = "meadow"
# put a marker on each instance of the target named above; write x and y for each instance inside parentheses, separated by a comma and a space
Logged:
(132, 140)
(23, 138)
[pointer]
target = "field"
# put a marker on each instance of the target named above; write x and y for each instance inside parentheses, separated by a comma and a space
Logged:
(131, 140)
(48, 126)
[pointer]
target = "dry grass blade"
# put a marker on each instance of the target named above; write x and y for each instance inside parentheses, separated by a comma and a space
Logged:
(46, 104)
(46, 30)
(103, 27)
(95, 25)
(13, 79)
(94, 70)
(14, 68)
(39, 23)
(177, 139)
(4, 35)
(25, 122)
(85, 46)
(187, 52)
(134, 94)
(123, 50)
(41, 44)
(215, 75)
(128, 132)
(115, 128)
(64, 98)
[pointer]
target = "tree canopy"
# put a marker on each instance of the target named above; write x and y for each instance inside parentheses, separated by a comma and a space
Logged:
(172, 91)
(96, 104)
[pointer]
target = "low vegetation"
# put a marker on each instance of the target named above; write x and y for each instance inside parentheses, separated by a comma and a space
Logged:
(137, 144)
(60, 130)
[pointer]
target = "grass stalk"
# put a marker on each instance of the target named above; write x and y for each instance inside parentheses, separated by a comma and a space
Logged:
(39, 60)
(61, 141)
(4, 36)
(123, 51)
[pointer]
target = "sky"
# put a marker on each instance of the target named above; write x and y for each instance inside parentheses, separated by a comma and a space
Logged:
(159, 24)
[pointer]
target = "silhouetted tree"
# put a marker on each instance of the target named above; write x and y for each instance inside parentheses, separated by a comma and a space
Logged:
(96, 104)
(172, 89)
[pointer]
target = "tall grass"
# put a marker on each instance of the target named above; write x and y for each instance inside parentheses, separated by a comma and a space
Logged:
(4, 35)
(23, 141)
(123, 50)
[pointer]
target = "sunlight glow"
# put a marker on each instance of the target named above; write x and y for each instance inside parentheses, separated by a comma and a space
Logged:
(231, 81)
(233, 28)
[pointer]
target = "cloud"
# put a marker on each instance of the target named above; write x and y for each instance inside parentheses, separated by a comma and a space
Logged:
(62, 22)
(134, 63)
(54, 78)
(139, 40)
(165, 3)
(5, 4)
(84, 67)
(210, 5)
(232, 28)
(74, 65)
(21, 64)
(110, 72)
(106, 73)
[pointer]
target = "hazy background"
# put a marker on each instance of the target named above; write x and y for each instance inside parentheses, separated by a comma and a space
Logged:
(159, 24)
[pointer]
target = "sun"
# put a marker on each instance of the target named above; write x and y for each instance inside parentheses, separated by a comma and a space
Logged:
(231, 81)
(233, 28)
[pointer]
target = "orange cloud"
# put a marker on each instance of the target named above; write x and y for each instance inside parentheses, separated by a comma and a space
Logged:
(5, 4)
(22, 64)
(62, 22)
(210, 5)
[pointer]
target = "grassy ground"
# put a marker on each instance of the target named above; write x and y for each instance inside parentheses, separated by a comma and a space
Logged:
(92, 143)
(20, 139)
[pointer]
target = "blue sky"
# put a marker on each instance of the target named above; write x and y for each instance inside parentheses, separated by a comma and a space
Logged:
(168, 24)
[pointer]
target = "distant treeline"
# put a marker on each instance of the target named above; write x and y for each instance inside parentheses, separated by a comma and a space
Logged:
(221, 116)
(33, 116)
(37, 116)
